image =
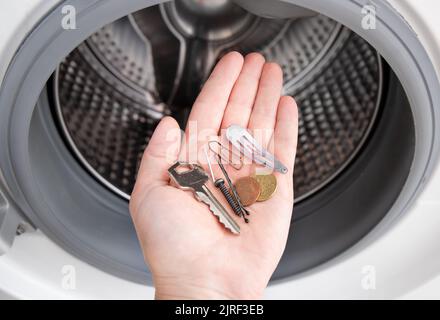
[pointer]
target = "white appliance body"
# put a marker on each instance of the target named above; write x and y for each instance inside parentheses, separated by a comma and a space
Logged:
(397, 259)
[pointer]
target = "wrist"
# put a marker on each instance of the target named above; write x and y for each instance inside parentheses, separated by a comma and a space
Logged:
(206, 289)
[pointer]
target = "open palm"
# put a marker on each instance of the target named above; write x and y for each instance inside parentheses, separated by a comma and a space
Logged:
(188, 251)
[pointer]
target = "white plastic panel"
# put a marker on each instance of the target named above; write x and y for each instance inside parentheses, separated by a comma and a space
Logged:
(17, 19)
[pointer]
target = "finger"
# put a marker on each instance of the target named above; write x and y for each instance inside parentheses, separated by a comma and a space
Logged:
(162, 151)
(284, 140)
(243, 94)
(209, 107)
(263, 115)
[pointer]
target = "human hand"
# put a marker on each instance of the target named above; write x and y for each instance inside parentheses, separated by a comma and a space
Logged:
(189, 253)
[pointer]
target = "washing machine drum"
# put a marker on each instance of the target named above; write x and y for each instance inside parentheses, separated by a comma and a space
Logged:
(113, 89)
(105, 98)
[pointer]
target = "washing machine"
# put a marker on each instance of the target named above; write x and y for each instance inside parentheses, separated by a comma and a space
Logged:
(83, 84)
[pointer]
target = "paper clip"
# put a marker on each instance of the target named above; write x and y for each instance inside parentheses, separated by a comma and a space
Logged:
(226, 155)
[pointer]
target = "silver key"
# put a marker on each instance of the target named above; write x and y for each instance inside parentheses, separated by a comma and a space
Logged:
(195, 179)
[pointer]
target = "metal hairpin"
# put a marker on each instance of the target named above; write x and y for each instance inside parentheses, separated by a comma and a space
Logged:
(242, 140)
(230, 197)
(229, 154)
(232, 187)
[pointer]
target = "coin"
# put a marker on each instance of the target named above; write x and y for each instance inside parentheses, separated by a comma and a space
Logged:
(268, 185)
(248, 190)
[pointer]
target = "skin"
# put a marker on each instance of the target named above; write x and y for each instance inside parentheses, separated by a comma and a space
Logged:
(189, 253)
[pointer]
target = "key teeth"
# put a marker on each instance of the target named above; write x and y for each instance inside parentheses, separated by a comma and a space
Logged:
(223, 220)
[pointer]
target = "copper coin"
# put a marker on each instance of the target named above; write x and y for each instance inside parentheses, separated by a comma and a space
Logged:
(268, 183)
(248, 190)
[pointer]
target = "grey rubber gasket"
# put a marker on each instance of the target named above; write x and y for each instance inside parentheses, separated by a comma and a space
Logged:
(48, 185)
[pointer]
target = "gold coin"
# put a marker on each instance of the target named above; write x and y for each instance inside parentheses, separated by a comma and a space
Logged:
(268, 184)
(248, 190)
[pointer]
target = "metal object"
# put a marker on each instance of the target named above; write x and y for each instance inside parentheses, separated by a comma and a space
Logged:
(275, 9)
(214, 20)
(248, 190)
(250, 148)
(268, 184)
(110, 93)
(231, 185)
(231, 156)
(220, 184)
(195, 180)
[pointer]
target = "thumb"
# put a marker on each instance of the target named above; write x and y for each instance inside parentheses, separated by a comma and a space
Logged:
(162, 152)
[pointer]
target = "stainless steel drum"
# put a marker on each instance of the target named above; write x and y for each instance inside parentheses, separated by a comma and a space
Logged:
(113, 89)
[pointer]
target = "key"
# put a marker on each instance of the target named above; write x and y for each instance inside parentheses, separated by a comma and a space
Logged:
(195, 179)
